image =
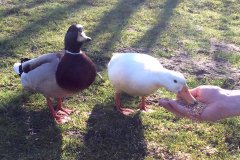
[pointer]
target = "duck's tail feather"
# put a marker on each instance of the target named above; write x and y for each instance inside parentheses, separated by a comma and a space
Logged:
(24, 60)
(17, 67)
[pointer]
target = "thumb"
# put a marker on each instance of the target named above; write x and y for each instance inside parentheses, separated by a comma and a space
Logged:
(194, 92)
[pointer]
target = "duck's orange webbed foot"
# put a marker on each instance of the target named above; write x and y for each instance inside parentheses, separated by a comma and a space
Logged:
(143, 107)
(125, 111)
(61, 110)
(60, 117)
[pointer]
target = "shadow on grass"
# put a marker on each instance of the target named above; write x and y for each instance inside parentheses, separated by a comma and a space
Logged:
(25, 133)
(113, 22)
(20, 6)
(51, 18)
(116, 19)
(113, 136)
(151, 36)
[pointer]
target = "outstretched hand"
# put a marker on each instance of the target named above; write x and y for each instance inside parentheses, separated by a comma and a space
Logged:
(220, 104)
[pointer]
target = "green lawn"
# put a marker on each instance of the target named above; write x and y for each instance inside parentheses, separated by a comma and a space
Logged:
(163, 28)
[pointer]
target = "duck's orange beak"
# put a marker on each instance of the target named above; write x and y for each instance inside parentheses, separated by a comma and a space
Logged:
(186, 95)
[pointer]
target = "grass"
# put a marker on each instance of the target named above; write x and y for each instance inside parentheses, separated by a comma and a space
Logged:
(161, 28)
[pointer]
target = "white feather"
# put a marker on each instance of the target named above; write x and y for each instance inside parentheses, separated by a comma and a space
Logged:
(16, 67)
(141, 74)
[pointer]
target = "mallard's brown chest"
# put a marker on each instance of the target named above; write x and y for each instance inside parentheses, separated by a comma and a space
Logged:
(75, 72)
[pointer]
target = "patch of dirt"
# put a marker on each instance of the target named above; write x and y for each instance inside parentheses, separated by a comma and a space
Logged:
(222, 46)
(132, 50)
(209, 150)
(6, 4)
(204, 67)
(158, 152)
(74, 134)
(139, 50)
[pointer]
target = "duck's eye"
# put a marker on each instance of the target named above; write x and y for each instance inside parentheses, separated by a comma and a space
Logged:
(175, 81)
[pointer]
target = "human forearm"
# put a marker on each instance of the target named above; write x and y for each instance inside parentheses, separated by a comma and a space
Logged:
(220, 104)
(232, 102)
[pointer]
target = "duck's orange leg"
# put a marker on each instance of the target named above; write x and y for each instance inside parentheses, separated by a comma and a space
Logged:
(142, 105)
(62, 110)
(125, 111)
(60, 119)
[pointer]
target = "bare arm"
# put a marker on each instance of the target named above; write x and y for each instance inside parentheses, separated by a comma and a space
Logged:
(220, 104)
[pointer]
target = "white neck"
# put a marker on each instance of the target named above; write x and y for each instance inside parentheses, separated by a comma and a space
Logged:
(167, 77)
(164, 77)
(73, 53)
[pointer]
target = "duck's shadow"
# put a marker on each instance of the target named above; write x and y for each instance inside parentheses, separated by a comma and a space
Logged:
(111, 135)
(26, 133)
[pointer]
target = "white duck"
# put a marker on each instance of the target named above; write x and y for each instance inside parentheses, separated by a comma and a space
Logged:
(140, 75)
(59, 75)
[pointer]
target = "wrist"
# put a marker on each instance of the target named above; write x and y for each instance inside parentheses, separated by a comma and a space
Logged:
(232, 101)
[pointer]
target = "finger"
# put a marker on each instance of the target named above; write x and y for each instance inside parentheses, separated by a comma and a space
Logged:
(178, 108)
(166, 104)
(194, 91)
(183, 110)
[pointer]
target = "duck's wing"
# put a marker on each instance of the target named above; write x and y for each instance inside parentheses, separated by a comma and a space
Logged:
(41, 75)
(36, 62)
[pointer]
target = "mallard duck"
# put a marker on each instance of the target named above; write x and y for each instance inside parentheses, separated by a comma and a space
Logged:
(59, 75)
(140, 75)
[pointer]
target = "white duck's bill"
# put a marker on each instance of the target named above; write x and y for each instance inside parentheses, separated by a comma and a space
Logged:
(186, 95)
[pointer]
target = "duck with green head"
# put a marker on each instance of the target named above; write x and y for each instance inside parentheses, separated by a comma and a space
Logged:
(59, 75)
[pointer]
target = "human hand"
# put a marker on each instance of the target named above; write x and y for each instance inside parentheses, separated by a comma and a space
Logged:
(220, 104)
